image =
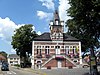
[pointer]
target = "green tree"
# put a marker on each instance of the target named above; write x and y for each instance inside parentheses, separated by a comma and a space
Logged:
(22, 41)
(85, 23)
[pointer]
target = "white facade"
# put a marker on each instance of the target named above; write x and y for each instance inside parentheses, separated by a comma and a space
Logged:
(13, 60)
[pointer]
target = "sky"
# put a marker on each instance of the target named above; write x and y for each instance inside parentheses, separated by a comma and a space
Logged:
(17, 13)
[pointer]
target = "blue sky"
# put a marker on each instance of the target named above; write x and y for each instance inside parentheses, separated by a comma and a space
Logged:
(15, 13)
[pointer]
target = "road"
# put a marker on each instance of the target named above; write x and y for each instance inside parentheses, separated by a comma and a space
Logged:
(75, 71)
(29, 71)
(15, 71)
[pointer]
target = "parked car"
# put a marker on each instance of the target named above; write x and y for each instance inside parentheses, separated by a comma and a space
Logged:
(5, 66)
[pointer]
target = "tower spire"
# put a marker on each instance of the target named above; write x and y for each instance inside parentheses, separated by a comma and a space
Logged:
(56, 16)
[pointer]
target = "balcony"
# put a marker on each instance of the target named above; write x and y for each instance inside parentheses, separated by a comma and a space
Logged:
(59, 57)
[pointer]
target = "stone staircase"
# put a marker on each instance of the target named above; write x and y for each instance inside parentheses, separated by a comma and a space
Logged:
(49, 60)
(70, 60)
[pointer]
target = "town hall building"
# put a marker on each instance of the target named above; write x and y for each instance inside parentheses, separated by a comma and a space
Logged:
(55, 49)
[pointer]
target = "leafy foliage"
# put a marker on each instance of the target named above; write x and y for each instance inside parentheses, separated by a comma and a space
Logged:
(22, 40)
(85, 22)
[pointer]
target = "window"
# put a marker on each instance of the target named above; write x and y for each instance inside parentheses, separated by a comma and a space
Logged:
(74, 50)
(42, 46)
(11, 58)
(62, 47)
(47, 50)
(14, 58)
(67, 50)
(11, 62)
(57, 48)
(16, 62)
(52, 46)
(34, 46)
(17, 58)
(56, 22)
(38, 50)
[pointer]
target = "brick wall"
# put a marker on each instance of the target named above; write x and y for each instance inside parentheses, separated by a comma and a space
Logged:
(52, 63)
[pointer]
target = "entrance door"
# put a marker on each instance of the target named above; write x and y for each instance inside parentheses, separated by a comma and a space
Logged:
(39, 64)
(59, 64)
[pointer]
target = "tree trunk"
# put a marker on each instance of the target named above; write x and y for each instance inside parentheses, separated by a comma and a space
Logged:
(93, 62)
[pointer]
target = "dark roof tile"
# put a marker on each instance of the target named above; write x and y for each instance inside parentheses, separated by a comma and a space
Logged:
(46, 37)
(13, 56)
(69, 38)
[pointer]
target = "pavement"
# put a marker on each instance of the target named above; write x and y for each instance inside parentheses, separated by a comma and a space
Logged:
(36, 71)
(1, 72)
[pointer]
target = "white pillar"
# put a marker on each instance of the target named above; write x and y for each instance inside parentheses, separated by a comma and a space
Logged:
(32, 58)
(80, 53)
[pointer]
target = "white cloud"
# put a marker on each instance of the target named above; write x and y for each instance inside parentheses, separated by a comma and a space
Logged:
(41, 14)
(48, 3)
(39, 32)
(44, 15)
(62, 9)
(7, 28)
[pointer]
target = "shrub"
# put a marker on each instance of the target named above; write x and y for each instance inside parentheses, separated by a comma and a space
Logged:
(17, 65)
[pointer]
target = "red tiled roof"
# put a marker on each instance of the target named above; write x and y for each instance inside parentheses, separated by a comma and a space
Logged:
(2, 57)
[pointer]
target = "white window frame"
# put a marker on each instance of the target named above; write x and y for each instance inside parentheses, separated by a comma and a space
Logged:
(67, 49)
